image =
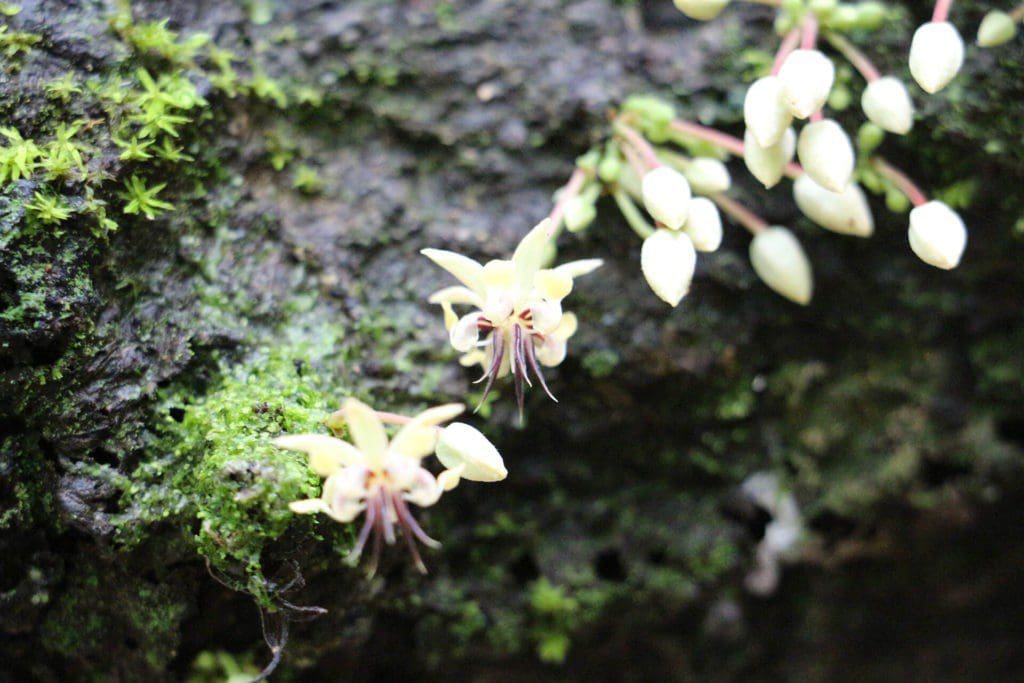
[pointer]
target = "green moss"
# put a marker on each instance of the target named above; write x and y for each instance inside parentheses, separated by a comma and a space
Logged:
(214, 463)
(80, 624)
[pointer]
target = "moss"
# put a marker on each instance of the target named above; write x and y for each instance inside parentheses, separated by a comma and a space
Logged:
(214, 463)
(91, 608)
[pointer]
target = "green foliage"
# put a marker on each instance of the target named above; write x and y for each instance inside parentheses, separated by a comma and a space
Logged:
(49, 209)
(19, 158)
(554, 613)
(142, 199)
(307, 180)
(154, 38)
(63, 88)
(14, 42)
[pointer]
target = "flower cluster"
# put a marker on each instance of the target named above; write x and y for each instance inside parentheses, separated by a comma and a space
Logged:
(378, 479)
(516, 324)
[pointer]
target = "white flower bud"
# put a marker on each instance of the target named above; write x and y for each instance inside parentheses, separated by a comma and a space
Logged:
(937, 235)
(765, 111)
(704, 224)
(781, 263)
(807, 77)
(460, 445)
(936, 55)
(708, 176)
(666, 196)
(996, 28)
(826, 154)
(887, 104)
(846, 212)
(668, 260)
(768, 164)
(701, 10)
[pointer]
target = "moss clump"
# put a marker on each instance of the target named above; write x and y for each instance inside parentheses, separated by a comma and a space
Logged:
(214, 462)
(80, 624)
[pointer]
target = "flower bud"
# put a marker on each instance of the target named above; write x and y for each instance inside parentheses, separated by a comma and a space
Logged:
(701, 10)
(768, 164)
(807, 77)
(704, 224)
(936, 55)
(996, 28)
(579, 213)
(886, 102)
(460, 445)
(666, 196)
(826, 154)
(937, 235)
(708, 176)
(765, 112)
(780, 262)
(846, 212)
(668, 260)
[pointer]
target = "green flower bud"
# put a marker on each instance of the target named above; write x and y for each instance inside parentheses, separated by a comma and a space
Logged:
(579, 213)
(653, 112)
(869, 136)
(609, 168)
(870, 15)
(996, 28)
(843, 18)
(896, 201)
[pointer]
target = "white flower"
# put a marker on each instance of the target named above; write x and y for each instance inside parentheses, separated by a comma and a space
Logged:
(780, 262)
(517, 323)
(768, 164)
(886, 102)
(937, 235)
(379, 478)
(666, 195)
(846, 212)
(782, 534)
(826, 154)
(463, 448)
(807, 77)
(701, 10)
(996, 28)
(704, 225)
(667, 260)
(765, 111)
(936, 55)
(708, 176)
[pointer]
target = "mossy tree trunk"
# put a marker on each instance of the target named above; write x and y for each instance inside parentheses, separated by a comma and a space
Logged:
(306, 152)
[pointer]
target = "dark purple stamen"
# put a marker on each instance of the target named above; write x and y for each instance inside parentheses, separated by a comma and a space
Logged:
(385, 510)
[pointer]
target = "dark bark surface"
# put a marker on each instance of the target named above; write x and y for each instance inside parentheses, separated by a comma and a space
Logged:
(144, 369)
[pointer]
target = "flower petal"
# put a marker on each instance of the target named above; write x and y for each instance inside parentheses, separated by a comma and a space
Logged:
(575, 269)
(309, 506)
(464, 334)
(456, 295)
(418, 438)
(566, 327)
(551, 351)
(463, 446)
(552, 285)
(546, 315)
(466, 270)
(449, 479)
(326, 453)
(367, 431)
(424, 490)
(529, 255)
